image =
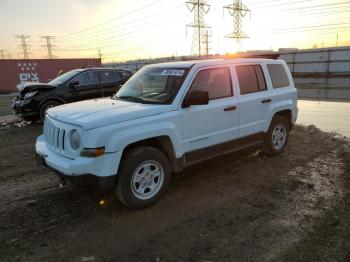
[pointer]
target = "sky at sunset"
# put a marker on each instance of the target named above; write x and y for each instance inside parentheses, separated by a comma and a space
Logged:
(152, 28)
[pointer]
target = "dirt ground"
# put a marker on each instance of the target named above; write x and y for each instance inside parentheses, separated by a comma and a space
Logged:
(239, 207)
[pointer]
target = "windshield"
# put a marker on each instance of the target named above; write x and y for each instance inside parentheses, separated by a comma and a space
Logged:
(63, 78)
(153, 85)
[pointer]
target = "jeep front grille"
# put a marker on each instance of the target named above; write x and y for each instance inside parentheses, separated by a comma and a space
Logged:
(55, 137)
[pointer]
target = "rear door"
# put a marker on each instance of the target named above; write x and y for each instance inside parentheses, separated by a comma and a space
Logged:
(254, 98)
(87, 88)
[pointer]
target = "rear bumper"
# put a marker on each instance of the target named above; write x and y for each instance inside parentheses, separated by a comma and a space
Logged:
(80, 169)
(295, 115)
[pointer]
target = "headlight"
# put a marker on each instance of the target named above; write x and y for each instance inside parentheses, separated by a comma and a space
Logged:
(30, 94)
(75, 139)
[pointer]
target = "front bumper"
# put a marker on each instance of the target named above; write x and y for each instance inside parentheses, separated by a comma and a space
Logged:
(100, 167)
(24, 107)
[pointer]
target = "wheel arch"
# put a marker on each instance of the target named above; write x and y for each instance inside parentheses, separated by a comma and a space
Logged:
(283, 109)
(56, 99)
(162, 143)
(287, 114)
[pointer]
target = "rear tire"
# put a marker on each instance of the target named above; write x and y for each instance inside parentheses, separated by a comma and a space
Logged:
(277, 136)
(143, 177)
(44, 107)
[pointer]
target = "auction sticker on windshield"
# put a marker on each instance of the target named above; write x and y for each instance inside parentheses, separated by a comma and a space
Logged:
(173, 72)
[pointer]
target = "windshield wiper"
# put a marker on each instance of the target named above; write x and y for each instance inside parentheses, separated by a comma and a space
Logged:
(131, 98)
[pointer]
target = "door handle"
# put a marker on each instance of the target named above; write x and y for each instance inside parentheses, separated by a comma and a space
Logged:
(266, 101)
(230, 108)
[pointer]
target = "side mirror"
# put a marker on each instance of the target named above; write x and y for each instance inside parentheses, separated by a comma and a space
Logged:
(73, 84)
(196, 98)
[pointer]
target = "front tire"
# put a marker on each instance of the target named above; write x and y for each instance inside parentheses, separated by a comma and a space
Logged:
(45, 107)
(277, 136)
(143, 177)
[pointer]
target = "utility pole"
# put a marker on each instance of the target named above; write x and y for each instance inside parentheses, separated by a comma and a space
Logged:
(199, 8)
(2, 54)
(23, 45)
(99, 54)
(48, 45)
(238, 11)
(336, 41)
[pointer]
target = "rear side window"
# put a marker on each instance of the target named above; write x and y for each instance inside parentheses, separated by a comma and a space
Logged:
(278, 75)
(111, 76)
(216, 81)
(251, 79)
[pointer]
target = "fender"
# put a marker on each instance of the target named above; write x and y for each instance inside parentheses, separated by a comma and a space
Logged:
(122, 138)
(277, 107)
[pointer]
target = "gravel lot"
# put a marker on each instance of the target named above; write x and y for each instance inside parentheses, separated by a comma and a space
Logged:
(240, 207)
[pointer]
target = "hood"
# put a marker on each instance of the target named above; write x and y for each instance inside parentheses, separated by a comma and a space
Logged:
(100, 112)
(29, 87)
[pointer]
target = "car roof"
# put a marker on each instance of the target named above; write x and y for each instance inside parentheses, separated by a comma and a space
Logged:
(103, 68)
(209, 62)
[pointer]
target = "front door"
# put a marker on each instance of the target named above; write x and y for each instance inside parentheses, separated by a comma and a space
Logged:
(217, 122)
(87, 87)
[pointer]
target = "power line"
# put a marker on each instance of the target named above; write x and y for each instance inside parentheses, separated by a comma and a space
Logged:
(23, 45)
(274, 5)
(199, 8)
(113, 19)
(311, 26)
(112, 40)
(238, 11)
(144, 26)
(123, 25)
(48, 45)
(306, 8)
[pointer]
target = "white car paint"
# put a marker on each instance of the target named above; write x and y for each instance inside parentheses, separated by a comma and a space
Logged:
(116, 124)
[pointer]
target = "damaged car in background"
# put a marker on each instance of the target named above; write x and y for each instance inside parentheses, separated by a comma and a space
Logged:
(34, 99)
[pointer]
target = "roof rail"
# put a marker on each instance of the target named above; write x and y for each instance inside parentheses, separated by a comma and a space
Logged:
(272, 55)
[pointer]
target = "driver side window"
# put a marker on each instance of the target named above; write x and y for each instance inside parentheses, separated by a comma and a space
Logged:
(215, 81)
(87, 78)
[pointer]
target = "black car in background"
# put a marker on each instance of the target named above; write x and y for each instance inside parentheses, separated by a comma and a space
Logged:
(34, 99)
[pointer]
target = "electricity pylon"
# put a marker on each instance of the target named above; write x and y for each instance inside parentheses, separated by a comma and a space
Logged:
(207, 42)
(23, 45)
(199, 8)
(238, 11)
(48, 45)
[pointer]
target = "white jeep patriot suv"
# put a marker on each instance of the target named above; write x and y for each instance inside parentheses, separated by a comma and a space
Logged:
(166, 117)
